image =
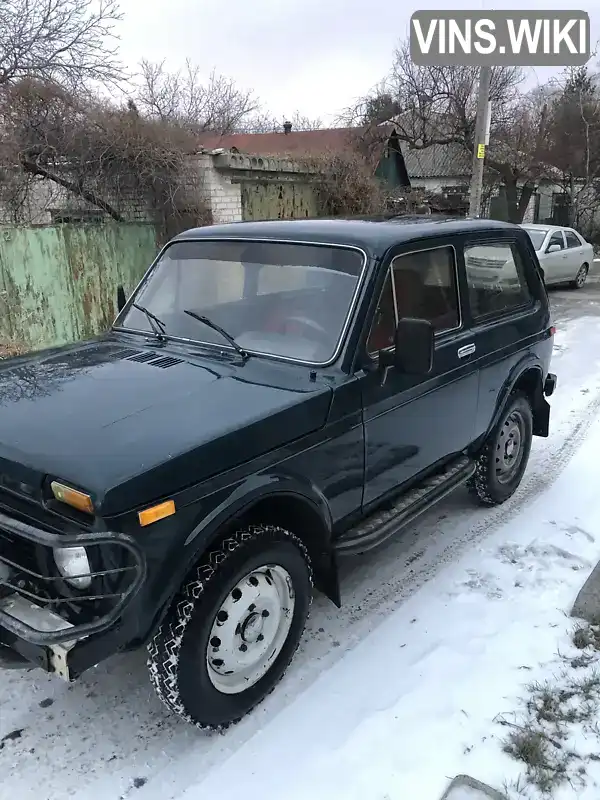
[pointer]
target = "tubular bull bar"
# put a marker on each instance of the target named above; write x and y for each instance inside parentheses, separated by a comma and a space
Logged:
(31, 624)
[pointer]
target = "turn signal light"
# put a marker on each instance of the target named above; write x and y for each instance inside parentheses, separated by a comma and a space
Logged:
(72, 497)
(154, 514)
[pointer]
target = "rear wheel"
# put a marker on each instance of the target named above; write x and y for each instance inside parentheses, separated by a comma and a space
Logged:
(503, 461)
(233, 630)
(581, 277)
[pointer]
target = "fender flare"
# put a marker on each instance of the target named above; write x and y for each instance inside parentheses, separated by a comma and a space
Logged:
(251, 491)
(238, 503)
(528, 363)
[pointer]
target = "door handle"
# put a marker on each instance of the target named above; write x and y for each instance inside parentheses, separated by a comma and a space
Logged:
(465, 351)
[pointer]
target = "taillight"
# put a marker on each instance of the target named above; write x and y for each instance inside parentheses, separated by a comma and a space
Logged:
(552, 331)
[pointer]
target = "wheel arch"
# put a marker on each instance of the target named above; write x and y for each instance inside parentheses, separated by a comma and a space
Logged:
(301, 516)
(527, 378)
(305, 516)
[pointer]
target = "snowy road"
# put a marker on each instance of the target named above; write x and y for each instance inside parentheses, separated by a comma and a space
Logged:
(107, 737)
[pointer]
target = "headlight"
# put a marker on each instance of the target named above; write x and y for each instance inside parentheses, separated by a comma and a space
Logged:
(71, 562)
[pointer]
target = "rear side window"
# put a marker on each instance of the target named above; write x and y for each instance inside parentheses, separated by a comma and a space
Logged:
(572, 239)
(496, 278)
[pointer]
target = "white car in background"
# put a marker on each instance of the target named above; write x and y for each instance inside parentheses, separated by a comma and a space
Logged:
(564, 254)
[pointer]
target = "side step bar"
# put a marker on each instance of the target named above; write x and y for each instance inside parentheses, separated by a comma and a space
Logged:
(374, 530)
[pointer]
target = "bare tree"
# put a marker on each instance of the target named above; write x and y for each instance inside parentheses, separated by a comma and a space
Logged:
(70, 42)
(264, 122)
(344, 184)
(436, 106)
(518, 153)
(573, 143)
(182, 98)
(381, 105)
(100, 154)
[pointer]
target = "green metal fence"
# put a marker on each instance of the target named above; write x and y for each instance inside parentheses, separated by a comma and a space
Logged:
(58, 284)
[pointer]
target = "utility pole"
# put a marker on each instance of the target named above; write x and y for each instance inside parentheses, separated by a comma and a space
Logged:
(481, 140)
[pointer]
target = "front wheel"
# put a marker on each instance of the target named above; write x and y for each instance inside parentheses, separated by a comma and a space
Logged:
(502, 463)
(233, 630)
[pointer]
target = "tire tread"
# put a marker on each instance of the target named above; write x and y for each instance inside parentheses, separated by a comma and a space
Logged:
(478, 485)
(165, 645)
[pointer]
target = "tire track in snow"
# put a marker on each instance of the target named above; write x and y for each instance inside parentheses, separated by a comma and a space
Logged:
(425, 559)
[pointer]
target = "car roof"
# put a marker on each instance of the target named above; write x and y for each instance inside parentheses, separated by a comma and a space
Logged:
(546, 228)
(373, 234)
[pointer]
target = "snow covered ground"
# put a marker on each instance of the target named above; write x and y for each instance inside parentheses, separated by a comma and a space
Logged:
(389, 697)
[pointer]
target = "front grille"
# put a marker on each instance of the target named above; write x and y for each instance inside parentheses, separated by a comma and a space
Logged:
(30, 510)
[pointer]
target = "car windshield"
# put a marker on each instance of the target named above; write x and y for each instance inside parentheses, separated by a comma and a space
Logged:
(537, 237)
(273, 298)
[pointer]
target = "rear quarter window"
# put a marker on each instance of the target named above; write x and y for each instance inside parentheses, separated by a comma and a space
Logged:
(573, 239)
(496, 278)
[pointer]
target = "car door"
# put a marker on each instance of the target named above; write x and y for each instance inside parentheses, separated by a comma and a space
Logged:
(554, 264)
(503, 320)
(414, 422)
(575, 254)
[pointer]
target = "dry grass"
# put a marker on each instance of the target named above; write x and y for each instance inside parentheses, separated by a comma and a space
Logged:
(546, 739)
(9, 349)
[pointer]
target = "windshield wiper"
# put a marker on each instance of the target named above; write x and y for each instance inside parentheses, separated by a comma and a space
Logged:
(220, 330)
(157, 325)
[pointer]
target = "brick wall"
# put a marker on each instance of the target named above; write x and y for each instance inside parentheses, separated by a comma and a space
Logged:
(223, 196)
(44, 201)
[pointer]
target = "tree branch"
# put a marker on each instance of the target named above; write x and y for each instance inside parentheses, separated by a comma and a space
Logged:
(34, 168)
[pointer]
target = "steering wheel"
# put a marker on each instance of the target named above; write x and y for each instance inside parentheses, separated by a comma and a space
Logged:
(309, 324)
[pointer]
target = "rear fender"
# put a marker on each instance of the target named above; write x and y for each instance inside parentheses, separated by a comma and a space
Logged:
(527, 377)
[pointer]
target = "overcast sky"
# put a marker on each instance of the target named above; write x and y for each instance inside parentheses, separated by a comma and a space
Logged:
(316, 56)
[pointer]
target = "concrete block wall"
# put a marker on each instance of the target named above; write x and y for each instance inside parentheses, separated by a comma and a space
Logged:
(228, 175)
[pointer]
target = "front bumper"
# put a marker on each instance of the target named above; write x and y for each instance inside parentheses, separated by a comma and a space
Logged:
(33, 622)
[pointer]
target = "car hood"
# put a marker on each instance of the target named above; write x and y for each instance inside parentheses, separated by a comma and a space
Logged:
(102, 414)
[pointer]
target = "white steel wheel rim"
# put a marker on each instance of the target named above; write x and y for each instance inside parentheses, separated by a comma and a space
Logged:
(250, 629)
(581, 276)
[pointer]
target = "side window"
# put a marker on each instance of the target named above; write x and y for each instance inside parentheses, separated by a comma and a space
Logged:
(422, 285)
(496, 278)
(556, 238)
(572, 239)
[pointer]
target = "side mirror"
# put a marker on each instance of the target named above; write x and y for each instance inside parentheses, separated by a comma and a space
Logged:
(553, 248)
(121, 299)
(414, 344)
